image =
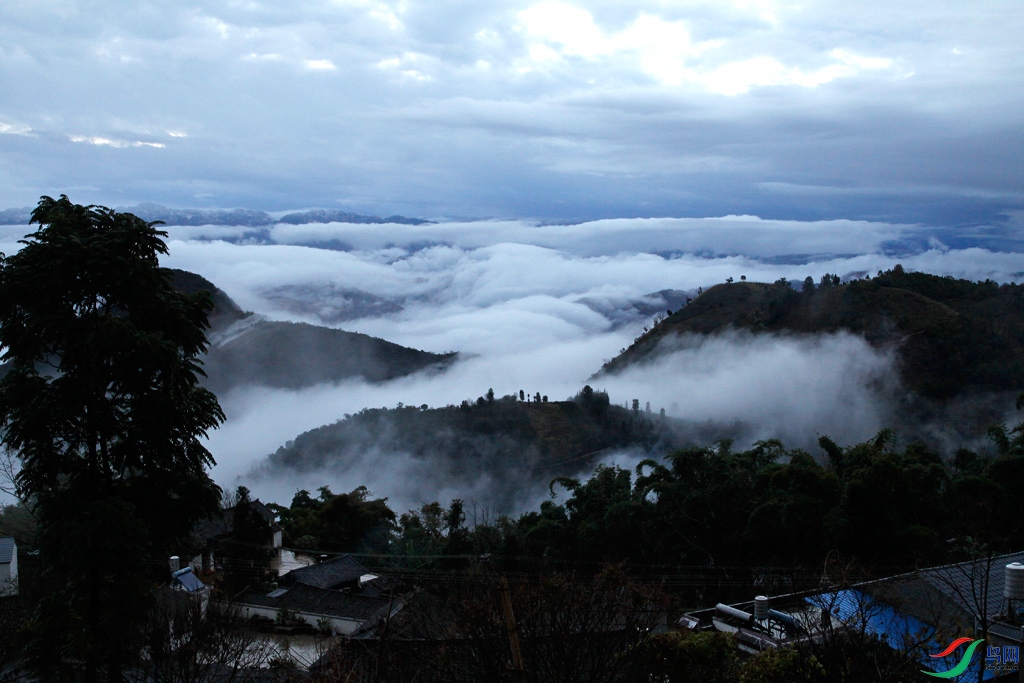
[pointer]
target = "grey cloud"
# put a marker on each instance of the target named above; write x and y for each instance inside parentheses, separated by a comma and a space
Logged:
(938, 133)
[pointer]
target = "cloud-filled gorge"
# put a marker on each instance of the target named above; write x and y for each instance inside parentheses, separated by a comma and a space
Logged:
(539, 309)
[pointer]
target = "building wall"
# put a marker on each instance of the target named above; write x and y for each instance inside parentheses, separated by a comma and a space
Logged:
(339, 625)
(9, 576)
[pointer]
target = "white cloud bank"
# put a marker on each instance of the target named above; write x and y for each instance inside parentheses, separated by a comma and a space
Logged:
(665, 51)
(515, 297)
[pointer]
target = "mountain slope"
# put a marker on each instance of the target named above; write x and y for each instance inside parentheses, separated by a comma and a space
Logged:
(950, 336)
(294, 355)
(247, 350)
(513, 444)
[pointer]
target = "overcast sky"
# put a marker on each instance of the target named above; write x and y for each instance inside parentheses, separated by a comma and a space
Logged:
(893, 112)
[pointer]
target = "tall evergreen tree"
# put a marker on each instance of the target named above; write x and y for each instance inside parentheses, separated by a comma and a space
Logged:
(102, 405)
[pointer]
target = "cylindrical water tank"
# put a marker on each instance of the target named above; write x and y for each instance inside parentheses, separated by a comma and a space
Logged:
(1014, 586)
(734, 613)
(761, 607)
(787, 620)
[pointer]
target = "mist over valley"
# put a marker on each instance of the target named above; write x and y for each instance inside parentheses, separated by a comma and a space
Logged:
(304, 336)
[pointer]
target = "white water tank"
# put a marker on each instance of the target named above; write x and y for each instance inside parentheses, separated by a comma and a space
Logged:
(1014, 586)
(761, 607)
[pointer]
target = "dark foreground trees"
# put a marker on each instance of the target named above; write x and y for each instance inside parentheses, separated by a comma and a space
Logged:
(102, 406)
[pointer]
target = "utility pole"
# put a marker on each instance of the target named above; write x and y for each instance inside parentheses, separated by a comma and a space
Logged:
(513, 632)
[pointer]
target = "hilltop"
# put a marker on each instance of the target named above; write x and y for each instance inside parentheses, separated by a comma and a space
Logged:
(950, 336)
(246, 349)
(517, 443)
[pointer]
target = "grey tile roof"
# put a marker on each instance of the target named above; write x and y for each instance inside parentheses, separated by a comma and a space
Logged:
(268, 516)
(214, 527)
(6, 550)
(1008, 631)
(224, 523)
(966, 583)
(329, 574)
(312, 600)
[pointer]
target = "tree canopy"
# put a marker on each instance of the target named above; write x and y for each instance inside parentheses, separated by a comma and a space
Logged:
(102, 405)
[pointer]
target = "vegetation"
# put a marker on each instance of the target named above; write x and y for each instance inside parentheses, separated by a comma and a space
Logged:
(342, 522)
(952, 336)
(102, 406)
(507, 437)
(295, 355)
(889, 507)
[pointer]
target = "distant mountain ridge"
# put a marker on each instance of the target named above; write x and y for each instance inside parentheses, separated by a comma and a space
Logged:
(950, 336)
(338, 216)
(246, 349)
(242, 217)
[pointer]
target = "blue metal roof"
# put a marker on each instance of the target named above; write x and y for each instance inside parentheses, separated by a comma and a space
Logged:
(896, 629)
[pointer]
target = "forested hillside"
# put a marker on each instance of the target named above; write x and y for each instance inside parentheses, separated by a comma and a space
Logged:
(247, 350)
(878, 505)
(951, 336)
(523, 443)
(295, 355)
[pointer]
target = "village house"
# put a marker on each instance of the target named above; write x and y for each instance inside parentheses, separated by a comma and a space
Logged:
(8, 567)
(215, 535)
(921, 611)
(339, 596)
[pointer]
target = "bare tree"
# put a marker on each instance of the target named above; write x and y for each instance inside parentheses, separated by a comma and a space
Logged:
(186, 645)
(969, 583)
(859, 633)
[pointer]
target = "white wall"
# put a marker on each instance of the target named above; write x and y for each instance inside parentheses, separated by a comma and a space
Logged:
(9, 576)
(339, 625)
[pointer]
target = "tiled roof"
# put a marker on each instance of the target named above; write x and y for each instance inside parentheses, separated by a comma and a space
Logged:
(14, 611)
(311, 600)
(329, 574)
(223, 524)
(214, 527)
(6, 550)
(1008, 631)
(266, 514)
(966, 583)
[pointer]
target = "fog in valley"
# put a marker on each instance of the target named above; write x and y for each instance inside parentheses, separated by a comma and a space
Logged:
(540, 308)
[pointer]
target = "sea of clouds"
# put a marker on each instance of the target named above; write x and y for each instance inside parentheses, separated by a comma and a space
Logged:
(528, 307)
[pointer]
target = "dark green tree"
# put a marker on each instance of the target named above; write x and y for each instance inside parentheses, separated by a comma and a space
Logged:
(247, 551)
(102, 405)
(354, 521)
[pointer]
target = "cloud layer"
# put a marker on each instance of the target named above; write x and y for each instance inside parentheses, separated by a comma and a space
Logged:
(549, 109)
(540, 308)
